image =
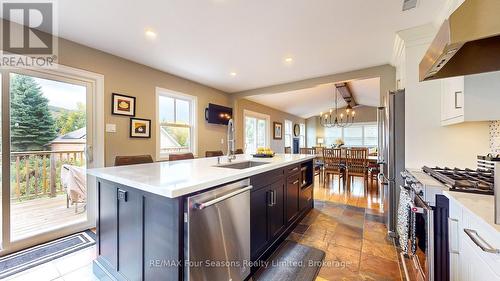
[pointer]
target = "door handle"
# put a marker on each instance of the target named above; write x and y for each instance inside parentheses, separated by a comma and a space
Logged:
(456, 100)
(201, 206)
(479, 241)
(296, 182)
(89, 152)
(270, 198)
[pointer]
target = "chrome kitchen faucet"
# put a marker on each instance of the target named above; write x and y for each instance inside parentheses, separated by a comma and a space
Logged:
(230, 140)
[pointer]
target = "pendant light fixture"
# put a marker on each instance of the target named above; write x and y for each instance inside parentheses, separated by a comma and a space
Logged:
(333, 119)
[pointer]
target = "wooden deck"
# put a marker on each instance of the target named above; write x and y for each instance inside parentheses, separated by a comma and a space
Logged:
(34, 216)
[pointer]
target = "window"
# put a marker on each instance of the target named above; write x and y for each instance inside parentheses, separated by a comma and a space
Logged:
(354, 135)
(176, 123)
(302, 135)
(332, 135)
(288, 133)
(256, 131)
(370, 135)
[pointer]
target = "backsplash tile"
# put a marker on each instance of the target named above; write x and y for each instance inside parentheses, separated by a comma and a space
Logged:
(495, 137)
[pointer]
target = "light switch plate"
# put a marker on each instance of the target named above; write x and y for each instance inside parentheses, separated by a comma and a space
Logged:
(111, 128)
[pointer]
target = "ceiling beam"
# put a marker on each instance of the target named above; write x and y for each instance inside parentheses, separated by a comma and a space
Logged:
(346, 93)
(386, 73)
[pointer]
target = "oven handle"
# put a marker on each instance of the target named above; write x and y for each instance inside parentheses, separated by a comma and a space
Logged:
(480, 242)
(420, 204)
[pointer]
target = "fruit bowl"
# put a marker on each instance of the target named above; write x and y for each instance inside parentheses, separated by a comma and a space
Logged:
(259, 155)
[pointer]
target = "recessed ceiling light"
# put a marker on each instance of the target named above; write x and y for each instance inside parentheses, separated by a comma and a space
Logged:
(233, 73)
(150, 33)
(289, 60)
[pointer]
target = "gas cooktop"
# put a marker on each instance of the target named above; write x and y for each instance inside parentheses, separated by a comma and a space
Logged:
(465, 180)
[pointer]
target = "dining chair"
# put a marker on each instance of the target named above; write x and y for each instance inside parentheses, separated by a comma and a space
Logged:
(239, 151)
(357, 164)
(319, 150)
(132, 160)
(373, 171)
(333, 163)
(214, 153)
(307, 150)
(180, 156)
(288, 150)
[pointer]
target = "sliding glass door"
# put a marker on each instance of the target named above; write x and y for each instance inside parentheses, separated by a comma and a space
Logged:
(47, 141)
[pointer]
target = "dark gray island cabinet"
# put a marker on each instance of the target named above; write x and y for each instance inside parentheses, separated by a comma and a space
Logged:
(141, 234)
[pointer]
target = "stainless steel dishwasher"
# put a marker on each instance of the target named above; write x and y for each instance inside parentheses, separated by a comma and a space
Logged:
(217, 234)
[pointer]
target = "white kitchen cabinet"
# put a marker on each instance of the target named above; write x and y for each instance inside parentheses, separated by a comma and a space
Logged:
(468, 262)
(470, 98)
(473, 267)
(452, 100)
(454, 227)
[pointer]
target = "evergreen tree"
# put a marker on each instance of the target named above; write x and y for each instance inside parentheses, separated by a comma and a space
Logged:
(32, 125)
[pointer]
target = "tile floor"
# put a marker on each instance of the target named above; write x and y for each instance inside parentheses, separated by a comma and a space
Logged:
(73, 267)
(345, 223)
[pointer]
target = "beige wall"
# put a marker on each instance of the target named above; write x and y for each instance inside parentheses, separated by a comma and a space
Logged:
(129, 78)
(276, 116)
(364, 114)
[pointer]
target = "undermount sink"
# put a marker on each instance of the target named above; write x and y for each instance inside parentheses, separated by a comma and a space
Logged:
(242, 165)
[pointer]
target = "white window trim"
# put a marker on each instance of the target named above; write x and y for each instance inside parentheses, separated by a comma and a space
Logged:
(194, 118)
(254, 114)
(302, 135)
(362, 125)
(96, 83)
(288, 134)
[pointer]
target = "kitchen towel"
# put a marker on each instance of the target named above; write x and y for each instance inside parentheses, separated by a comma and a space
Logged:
(403, 219)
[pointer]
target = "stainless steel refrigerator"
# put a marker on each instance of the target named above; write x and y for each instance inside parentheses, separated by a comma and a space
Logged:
(391, 122)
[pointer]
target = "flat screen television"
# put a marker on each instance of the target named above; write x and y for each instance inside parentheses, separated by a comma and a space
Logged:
(218, 114)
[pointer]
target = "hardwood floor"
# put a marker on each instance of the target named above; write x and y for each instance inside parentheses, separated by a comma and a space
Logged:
(346, 223)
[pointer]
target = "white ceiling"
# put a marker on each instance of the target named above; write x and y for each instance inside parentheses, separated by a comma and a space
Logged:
(205, 40)
(311, 101)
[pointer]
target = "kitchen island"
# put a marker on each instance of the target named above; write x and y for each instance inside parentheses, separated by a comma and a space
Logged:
(143, 223)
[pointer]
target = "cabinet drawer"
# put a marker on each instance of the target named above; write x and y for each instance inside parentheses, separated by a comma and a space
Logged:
(267, 178)
(484, 235)
(292, 169)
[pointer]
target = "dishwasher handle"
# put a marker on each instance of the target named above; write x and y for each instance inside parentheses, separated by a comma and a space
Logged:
(201, 206)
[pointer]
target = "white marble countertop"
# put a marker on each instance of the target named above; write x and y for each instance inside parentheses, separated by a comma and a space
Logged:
(178, 178)
(483, 206)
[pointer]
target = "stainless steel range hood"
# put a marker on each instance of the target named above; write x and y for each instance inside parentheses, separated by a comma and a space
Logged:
(467, 43)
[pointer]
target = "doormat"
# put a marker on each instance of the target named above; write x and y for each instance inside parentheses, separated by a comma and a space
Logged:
(31, 257)
(292, 262)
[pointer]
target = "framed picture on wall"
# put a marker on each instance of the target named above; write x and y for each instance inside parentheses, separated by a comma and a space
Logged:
(140, 128)
(123, 105)
(278, 130)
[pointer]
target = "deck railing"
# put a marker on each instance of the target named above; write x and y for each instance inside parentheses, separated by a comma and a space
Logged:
(37, 173)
